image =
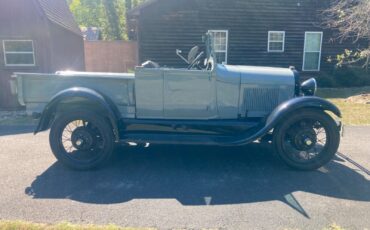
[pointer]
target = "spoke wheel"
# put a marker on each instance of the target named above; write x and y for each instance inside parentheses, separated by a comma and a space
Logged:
(81, 140)
(307, 140)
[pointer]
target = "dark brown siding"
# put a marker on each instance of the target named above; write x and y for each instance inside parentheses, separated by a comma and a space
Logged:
(67, 49)
(167, 25)
(21, 20)
(55, 47)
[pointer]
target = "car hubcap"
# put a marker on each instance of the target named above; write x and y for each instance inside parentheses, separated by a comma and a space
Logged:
(305, 140)
(82, 141)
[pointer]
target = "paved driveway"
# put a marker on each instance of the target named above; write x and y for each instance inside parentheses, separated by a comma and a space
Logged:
(186, 187)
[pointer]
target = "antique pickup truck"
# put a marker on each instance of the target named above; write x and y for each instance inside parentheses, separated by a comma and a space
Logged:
(204, 104)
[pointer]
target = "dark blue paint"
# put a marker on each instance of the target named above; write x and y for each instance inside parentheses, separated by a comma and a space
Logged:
(79, 92)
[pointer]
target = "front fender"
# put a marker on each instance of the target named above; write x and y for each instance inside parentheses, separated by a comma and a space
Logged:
(280, 113)
(297, 103)
(79, 92)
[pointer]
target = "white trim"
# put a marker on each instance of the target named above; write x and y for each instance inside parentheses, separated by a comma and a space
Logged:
(15, 52)
(269, 41)
(227, 43)
(304, 50)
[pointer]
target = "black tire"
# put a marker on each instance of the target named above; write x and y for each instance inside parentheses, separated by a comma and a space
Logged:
(101, 140)
(283, 137)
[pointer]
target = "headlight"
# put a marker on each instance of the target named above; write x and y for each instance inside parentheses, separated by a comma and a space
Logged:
(309, 87)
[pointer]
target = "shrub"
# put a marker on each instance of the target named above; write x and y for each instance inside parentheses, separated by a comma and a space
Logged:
(345, 76)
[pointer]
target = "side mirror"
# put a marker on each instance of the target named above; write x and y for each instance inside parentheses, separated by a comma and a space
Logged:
(178, 51)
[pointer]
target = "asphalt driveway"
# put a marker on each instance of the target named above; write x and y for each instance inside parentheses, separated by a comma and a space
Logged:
(186, 187)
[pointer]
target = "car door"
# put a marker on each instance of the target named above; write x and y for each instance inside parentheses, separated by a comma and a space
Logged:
(189, 94)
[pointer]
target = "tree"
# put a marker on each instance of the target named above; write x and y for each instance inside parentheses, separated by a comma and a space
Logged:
(115, 12)
(351, 18)
(108, 15)
(133, 3)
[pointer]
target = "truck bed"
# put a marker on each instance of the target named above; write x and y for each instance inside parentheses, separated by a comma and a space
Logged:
(36, 90)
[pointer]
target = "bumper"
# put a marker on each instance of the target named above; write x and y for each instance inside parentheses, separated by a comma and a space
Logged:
(340, 128)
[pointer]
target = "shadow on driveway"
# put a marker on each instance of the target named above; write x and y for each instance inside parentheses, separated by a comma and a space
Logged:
(6, 130)
(199, 176)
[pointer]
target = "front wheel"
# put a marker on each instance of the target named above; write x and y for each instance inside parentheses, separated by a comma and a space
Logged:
(81, 140)
(307, 140)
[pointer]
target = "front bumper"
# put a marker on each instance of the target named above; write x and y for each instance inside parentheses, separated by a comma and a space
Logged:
(340, 128)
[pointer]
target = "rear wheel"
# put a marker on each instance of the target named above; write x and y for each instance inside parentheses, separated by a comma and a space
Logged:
(81, 140)
(307, 140)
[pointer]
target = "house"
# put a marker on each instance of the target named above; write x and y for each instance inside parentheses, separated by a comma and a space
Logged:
(36, 36)
(278, 33)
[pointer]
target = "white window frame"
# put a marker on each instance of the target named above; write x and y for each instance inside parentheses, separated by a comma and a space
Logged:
(17, 52)
(269, 41)
(304, 51)
(227, 43)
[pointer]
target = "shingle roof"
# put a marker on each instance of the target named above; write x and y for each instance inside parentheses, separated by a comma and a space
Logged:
(58, 12)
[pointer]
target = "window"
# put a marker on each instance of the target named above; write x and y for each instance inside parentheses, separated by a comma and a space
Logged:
(276, 41)
(220, 44)
(312, 51)
(18, 53)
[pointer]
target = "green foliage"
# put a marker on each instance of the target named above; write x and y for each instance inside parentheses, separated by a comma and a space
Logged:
(22, 225)
(108, 15)
(135, 3)
(115, 13)
(350, 57)
(351, 19)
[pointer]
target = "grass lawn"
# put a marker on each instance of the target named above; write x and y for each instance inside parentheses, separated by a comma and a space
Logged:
(21, 225)
(353, 113)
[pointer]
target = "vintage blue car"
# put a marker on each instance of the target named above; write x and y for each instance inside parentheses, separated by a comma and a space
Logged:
(204, 104)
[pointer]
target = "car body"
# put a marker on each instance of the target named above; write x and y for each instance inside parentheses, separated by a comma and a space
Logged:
(210, 104)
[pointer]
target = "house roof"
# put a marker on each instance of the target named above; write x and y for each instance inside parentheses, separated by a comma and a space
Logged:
(57, 11)
(136, 10)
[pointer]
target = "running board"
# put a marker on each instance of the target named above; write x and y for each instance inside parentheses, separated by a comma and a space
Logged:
(178, 139)
(175, 139)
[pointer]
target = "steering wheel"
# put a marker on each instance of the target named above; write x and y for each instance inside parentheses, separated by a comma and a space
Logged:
(196, 60)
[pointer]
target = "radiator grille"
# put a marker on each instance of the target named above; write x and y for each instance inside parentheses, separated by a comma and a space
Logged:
(261, 101)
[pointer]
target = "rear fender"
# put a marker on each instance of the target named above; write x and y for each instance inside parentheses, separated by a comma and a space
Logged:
(104, 103)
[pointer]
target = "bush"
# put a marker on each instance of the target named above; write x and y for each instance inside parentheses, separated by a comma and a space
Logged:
(343, 77)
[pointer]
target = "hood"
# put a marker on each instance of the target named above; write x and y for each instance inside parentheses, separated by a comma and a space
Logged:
(257, 74)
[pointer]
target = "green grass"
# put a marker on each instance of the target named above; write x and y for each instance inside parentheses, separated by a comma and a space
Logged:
(353, 113)
(334, 227)
(21, 225)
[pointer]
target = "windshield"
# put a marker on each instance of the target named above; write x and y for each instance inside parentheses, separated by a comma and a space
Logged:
(211, 57)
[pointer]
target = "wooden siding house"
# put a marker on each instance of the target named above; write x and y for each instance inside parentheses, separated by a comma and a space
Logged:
(278, 33)
(36, 36)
